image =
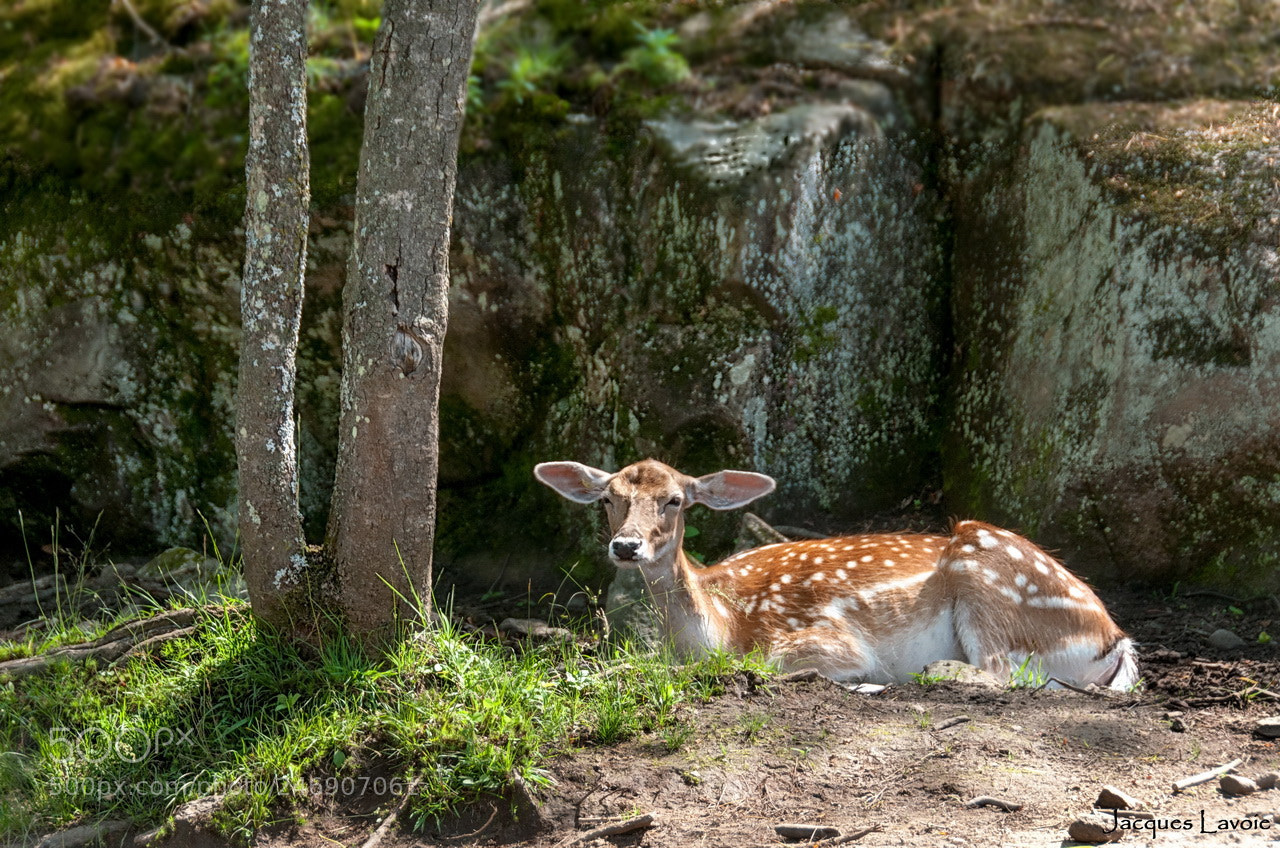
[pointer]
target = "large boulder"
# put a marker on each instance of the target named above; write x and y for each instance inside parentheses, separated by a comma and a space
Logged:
(759, 292)
(1118, 394)
(1018, 252)
(116, 387)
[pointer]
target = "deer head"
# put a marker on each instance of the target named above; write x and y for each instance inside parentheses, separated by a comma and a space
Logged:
(645, 503)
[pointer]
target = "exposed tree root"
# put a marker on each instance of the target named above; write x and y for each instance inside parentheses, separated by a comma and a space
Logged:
(125, 639)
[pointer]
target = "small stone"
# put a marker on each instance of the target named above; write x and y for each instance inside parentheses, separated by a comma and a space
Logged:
(1094, 828)
(958, 672)
(1111, 798)
(1161, 655)
(103, 833)
(1225, 640)
(1268, 781)
(1268, 728)
(535, 629)
(805, 832)
(1234, 784)
(1177, 725)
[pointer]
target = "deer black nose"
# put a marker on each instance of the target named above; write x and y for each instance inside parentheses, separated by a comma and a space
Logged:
(624, 548)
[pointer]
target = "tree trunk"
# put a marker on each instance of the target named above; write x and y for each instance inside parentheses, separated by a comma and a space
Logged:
(382, 522)
(276, 221)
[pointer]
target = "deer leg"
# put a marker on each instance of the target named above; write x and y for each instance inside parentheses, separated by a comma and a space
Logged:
(831, 653)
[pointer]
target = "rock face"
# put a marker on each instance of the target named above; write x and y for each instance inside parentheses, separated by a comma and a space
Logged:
(759, 294)
(1121, 331)
(116, 368)
(1024, 256)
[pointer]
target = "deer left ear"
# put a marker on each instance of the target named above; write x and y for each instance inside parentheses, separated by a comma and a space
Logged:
(731, 489)
(573, 480)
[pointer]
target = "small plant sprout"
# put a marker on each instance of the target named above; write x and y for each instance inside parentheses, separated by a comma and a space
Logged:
(655, 58)
(1030, 674)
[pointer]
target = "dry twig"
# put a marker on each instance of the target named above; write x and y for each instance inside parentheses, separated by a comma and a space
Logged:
(143, 27)
(1205, 776)
(989, 801)
(385, 827)
(628, 826)
(853, 837)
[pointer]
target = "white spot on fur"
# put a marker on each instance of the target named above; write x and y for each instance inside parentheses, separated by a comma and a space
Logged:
(1013, 551)
(986, 540)
(1020, 580)
(867, 558)
(1055, 602)
(968, 549)
(838, 609)
(786, 578)
(1011, 594)
(895, 585)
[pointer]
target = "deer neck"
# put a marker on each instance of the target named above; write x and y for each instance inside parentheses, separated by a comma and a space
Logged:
(688, 615)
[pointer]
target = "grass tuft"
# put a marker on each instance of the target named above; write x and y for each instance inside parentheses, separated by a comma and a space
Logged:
(238, 711)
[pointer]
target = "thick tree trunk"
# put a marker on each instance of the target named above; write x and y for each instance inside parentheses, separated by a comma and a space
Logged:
(396, 302)
(276, 220)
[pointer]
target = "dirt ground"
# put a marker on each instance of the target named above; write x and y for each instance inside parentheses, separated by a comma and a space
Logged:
(907, 761)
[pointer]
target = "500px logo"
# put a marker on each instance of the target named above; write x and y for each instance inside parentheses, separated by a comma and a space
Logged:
(129, 743)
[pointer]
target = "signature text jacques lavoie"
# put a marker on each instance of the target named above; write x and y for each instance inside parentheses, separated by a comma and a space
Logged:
(1206, 823)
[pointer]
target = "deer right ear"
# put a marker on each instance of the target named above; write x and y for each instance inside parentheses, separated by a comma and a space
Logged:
(573, 480)
(731, 489)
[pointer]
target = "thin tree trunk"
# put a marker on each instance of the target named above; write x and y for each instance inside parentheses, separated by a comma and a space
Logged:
(276, 221)
(382, 521)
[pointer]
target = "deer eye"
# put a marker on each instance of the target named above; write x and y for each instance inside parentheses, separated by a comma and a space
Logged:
(674, 502)
(608, 501)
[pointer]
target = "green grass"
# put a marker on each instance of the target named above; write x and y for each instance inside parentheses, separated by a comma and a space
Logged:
(235, 710)
(1030, 674)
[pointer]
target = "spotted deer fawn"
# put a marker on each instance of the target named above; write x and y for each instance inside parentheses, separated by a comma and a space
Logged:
(874, 608)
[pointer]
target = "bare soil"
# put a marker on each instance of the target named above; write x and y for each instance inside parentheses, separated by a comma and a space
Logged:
(815, 753)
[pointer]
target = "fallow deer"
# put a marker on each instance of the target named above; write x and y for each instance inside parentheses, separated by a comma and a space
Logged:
(872, 608)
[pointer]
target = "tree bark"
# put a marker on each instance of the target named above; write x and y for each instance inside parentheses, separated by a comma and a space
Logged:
(276, 221)
(382, 521)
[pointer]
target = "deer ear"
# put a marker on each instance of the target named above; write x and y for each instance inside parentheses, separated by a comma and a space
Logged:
(731, 489)
(573, 480)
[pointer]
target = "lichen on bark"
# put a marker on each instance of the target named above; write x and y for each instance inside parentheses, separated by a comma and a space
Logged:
(277, 218)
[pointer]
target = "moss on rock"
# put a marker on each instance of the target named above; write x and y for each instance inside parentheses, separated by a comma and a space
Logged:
(1129, 357)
